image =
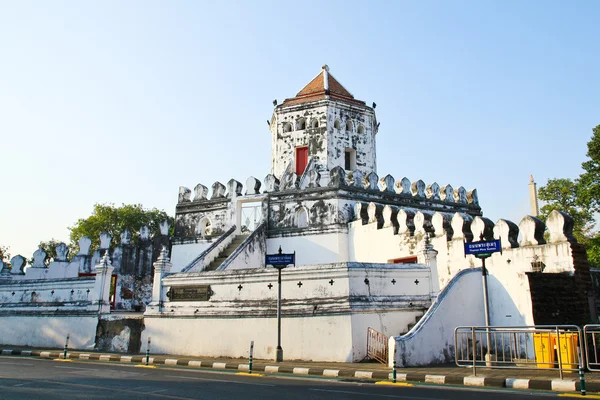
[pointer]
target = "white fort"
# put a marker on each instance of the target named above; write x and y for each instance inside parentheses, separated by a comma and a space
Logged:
(376, 255)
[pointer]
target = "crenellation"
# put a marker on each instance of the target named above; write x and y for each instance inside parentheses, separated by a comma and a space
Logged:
(461, 226)
(404, 187)
(482, 229)
(507, 232)
(337, 177)
(460, 195)
(371, 181)
(442, 225)
(390, 217)
(84, 246)
(271, 184)
(252, 186)
(184, 194)
(105, 239)
(361, 212)
(39, 258)
(374, 212)
(472, 197)
(200, 192)
(234, 189)
(144, 233)
(433, 191)
(422, 221)
(387, 184)
(447, 193)
(62, 252)
(358, 179)
(560, 227)
(532, 231)
(218, 191)
(18, 264)
(418, 189)
(406, 222)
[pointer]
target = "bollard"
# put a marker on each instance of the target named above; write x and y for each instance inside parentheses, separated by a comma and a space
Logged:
(65, 349)
(394, 372)
(250, 359)
(148, 351)
(582, 380)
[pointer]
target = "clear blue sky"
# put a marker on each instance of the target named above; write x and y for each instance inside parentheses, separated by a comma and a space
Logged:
(123, 102)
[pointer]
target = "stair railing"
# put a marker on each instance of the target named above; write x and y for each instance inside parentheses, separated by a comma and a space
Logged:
(258, 231)
(208, 255)
(377, 346)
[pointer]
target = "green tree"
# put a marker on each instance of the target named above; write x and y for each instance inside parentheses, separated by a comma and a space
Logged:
(114, 220)
(4, 254)
(562, 194)
(589, 181)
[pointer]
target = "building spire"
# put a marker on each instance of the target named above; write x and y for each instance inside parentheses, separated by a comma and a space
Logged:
(533, 200)
(325, 69)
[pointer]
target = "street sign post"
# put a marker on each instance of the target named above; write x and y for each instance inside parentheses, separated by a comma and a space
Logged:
(482, 250)
(279, 261)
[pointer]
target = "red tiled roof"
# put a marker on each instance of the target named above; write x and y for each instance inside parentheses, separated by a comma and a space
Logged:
(315, 90)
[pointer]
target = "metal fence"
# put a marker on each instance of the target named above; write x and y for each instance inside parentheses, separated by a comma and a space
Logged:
(591, 334)
(377, 346)
(527, 347)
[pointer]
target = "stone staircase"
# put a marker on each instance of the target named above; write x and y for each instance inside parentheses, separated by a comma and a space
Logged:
(226, 252)
(412, 324)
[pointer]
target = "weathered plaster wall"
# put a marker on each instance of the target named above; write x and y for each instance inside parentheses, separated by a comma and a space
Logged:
(183, 254)
(312, 249)
(431, 340)
(250, 254)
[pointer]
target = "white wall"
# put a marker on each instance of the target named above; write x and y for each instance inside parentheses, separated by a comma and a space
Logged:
(183, 254)
(312, 249)
(49, 331)
(431, 341)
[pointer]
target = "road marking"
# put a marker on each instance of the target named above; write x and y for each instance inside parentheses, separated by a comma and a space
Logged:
(373, 395)
(9, 363)
(587, 396)
(159, 391)
(216, 380)
(23, 384)
(83, 369)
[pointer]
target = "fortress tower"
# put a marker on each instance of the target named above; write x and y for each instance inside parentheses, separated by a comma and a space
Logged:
(325, 125)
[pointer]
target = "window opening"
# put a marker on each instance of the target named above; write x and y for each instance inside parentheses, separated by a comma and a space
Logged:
(350, 160)
(348, 126)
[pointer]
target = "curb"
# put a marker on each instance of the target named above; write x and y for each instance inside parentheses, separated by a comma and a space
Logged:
(556, 385)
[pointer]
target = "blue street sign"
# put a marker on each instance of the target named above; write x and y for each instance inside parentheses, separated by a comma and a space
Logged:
(280, 259)
(475, 248)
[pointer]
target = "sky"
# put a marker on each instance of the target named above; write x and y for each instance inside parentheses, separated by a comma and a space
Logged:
(123, 102)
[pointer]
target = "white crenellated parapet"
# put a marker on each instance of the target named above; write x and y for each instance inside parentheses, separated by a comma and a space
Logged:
(482, 229)
(84, 246)
(4, 272)
(418, 189)
(442, 225)
(560, 227)
(252, 186)
(218, 191)
(271, 184)
(472, 197)
(433, 191)
(39, 258)
(447, 193)
(406, 222)
(507, 232)
(374, 212)
(390, 216)
(105, 240)
(532, 231)
(460, 195)
(337, 177)
(18, 264)
(422, 222)
(185, 195)
(387, 184)
(234, 189)
(403, 187)
(361, 212)
(461, 227)
(200, 192)
(371, 181)
(358, 179)
(164, 227)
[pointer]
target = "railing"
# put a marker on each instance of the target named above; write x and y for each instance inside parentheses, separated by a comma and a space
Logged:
(591, 334)
(212, 247)
(377, 346)
(527, 347)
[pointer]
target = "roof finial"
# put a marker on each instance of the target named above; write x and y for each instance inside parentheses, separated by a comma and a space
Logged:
(325, 69)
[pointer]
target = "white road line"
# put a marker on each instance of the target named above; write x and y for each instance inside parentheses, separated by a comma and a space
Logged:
(372, 394)
(9, 363)
(216, 380)
(158, 391)
(82, 369)
(138, 388)
(23, 384)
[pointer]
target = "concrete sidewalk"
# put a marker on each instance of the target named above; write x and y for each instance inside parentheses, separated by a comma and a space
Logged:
(543, 379)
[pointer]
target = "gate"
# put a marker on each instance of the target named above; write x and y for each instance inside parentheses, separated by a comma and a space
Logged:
(377, 346)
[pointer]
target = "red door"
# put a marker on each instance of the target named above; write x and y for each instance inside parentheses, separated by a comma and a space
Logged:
(301, 159)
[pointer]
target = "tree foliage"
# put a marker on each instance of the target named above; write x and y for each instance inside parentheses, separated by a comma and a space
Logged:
(580, 198)
(4, 253)
(114, 220)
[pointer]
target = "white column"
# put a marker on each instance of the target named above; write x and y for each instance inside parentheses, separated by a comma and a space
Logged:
(102, 285)
(428, 255)
(162, 266)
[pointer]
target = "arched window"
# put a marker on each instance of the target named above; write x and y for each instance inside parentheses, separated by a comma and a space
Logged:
(287, 127)
(302, 218)
(204, 227)
(337, 124)
(315, 123)
(349, 126)
(361, 128)
(301, 124)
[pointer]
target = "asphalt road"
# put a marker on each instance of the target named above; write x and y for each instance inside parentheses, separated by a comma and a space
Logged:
(28, 378)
